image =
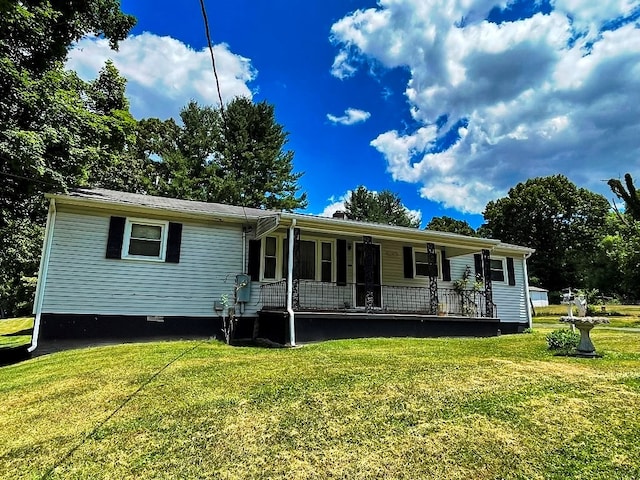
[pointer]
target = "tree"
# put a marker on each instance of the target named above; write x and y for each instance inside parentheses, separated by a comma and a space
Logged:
(56, 131)
(253, 165)
(384, 207)
(237, 159)
(451, 225)
(562, 222)
(630, 196)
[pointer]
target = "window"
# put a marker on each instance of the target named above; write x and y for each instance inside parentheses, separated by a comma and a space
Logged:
(307, 260)
(497, 270)
(423, 266)
(144, 239)
(270, 257)
(325, 268)
(316, 260)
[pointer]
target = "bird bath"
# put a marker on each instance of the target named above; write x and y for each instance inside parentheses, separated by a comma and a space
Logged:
(582, 322)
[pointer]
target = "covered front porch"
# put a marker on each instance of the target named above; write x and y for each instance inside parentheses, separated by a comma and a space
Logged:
(352, 298)
(334, 278)
(328, 311)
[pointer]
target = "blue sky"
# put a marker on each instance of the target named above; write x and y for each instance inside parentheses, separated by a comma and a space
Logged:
(447, 103)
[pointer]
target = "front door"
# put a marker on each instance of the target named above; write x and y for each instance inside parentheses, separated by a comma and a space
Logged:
(361, 287)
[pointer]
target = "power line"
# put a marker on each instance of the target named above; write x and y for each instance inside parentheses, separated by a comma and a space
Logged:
(213, 59)
(21, 177)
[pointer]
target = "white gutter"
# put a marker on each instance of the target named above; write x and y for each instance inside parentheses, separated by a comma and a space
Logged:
(42, 274)
(244, 250)
(526, 288)
(292, 324)
(389, 232)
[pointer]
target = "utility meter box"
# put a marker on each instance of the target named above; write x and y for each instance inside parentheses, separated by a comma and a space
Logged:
(243, 288)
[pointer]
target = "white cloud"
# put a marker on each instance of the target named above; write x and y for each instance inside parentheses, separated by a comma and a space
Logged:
(351, 116)
(341, 67)
(548, 94)
(336, 204)
(163, 74)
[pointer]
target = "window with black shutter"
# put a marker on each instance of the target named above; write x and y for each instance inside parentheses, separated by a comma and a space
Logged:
(143, 239)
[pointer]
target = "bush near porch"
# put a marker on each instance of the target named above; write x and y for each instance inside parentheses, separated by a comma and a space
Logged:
(459, 408)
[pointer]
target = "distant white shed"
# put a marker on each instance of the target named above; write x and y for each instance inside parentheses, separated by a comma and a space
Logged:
(538, 297)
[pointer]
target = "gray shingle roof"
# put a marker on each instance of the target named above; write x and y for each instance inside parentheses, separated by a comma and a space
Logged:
(187, 206)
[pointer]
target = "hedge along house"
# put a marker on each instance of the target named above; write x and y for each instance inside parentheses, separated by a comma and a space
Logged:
(126, 265)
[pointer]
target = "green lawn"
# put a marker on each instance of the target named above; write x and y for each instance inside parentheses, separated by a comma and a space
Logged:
(619, 315)
(15, 332)
(490, 408)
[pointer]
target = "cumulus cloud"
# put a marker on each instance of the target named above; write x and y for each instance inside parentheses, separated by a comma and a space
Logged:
(163, 74)
(336, 204)
(351, 116)
(550, 93)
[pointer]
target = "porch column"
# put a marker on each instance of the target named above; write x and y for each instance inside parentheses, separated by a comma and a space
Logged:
(368, 272)
(433, 278)
(290, 284)
(488, 288)
(296, 269)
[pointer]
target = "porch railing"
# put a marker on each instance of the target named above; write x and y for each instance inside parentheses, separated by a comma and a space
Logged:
(322, 296)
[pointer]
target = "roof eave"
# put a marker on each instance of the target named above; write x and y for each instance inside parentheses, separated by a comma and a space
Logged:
(352, 227)
(136, 208)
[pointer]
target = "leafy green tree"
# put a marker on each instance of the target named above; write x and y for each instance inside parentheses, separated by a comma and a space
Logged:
(46, 130)
(451, 225)
(239, 159)
(384, 207)
(615, 267)
(56, 131)
(562, 222)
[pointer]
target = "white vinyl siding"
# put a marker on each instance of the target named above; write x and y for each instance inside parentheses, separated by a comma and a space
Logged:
(509, 299)
(82, 281)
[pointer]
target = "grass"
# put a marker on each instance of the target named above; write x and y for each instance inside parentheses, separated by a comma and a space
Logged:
(15, 332)
(619, 315)
(490, 408)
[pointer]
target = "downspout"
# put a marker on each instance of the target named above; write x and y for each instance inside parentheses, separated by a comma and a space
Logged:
(292, 324)
(526, 289)
(244, 250)
(42, 274)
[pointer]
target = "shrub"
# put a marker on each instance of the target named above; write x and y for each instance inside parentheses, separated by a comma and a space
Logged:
(563, 340)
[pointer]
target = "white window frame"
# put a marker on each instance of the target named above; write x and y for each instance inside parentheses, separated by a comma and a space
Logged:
(164, 227)
(505, 274)
(318, 241)
(263, 252)
(438, 263)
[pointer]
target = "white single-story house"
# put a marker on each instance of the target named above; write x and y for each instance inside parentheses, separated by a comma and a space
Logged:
(539, 297)
(124, 265)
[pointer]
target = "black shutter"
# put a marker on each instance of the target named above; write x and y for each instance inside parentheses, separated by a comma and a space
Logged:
(254, 260)
(446, 268)
(116, 234)
(511, 271)
(174, 240)
(477, 258)
(341, 262)
(407, 254)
